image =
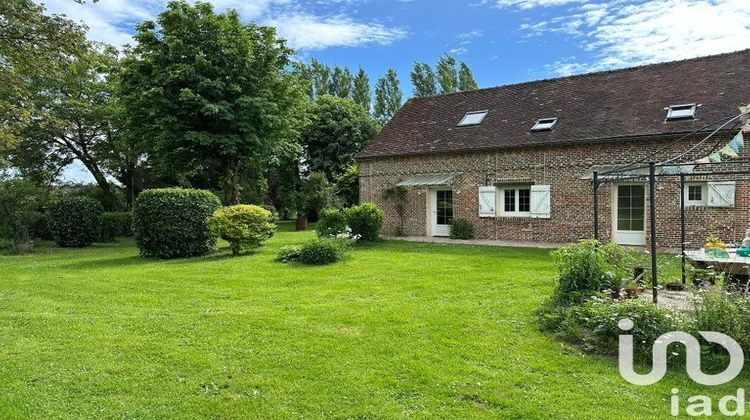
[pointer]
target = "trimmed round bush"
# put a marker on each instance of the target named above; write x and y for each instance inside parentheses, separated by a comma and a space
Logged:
(288, 253)
(114, 224)
(332, 222)
(171, 222)
(365, 221)
(321, 251)
(74, 221)
(461, 229)
(243, 226)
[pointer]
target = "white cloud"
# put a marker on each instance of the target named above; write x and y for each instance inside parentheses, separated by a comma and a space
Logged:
(529, 4)
(634, 32)
(113, 21)
(310, 32)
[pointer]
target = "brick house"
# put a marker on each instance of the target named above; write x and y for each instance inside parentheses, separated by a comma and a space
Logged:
(516, 160)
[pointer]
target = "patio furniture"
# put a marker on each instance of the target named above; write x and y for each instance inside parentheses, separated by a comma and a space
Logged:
(736, 267)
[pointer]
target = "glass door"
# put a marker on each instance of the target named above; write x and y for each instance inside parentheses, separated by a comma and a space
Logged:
(442, 212)
(630, 213)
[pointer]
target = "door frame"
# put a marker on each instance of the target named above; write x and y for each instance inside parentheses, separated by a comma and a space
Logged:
(638, 237)
(432, 226)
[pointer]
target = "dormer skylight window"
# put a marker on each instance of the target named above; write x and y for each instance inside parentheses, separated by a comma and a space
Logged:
(681, 112)
(545, 124)
(473, 118)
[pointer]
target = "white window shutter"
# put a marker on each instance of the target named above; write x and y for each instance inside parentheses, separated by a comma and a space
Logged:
(487, 201)
(721, 194)
(541, 201)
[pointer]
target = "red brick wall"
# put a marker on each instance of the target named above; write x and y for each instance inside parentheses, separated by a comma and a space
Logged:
(572, 198)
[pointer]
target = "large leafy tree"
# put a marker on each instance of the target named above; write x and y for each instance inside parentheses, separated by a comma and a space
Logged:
(211, 92)
(33, 46)
(466, 79)
(388, 96)
(339, 129)
(78, 123)
(424, 81)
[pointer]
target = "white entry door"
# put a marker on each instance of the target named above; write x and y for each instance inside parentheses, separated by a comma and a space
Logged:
(442, 212)
(630, 215)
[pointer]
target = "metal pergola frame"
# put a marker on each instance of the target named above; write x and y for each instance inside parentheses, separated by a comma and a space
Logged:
(652, 176)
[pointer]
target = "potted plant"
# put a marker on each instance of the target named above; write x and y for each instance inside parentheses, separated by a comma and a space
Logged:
(633, 289)
(616, 285)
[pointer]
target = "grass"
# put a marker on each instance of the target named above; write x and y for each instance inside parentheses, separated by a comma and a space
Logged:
(397, 329)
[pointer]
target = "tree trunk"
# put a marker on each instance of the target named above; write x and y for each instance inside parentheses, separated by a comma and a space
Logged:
(232, 181)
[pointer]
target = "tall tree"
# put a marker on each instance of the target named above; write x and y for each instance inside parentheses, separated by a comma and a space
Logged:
(341, 82)
(212, 92)
(423, 79)
(33, 46)
(321, 78)
(388, 96)
(339, 129)
(361, 90)
(446, 74)
(78, 123)
(466, 79)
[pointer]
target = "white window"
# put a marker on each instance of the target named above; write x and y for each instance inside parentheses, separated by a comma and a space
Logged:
(681, 112)
(696, 194)
(544, 124)
(515, 201)
(473, 118)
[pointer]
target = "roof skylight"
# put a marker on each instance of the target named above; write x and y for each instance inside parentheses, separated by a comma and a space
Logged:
(681, 112)
(545, 124)
(473, 118)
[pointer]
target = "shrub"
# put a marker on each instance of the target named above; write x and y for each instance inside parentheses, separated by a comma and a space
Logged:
(74, 221)
(365, 221)
(271, 209)
(589, 267)
(727, 313)
(461, 229)
(332, 222)
(289, 253)
(171, 222)
(596, 325)
(243, 226)
(39, 227)
(321, 251)
(114, 224)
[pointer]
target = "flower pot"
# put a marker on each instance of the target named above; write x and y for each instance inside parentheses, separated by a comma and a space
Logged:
(675, 287)
(301, 224)
(633, 292)
(25, 247)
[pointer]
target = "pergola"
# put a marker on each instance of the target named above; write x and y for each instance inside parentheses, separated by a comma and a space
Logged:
(647, 169)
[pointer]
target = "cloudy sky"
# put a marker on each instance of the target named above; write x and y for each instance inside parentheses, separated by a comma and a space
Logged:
(504, 41)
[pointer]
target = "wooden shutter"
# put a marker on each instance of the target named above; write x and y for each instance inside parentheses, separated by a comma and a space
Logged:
(721, 194)
(541, 201)
(486, 201)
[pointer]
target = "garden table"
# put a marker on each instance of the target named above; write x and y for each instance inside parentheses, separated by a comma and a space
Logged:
(734, 265)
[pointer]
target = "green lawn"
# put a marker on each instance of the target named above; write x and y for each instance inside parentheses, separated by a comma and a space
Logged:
(396, 330)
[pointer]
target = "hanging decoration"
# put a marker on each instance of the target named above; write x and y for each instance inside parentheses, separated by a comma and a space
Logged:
(735, 146)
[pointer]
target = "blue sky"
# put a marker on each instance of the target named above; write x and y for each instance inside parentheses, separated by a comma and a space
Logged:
(504, 41)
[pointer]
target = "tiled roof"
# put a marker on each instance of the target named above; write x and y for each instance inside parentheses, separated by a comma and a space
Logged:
(627, 103)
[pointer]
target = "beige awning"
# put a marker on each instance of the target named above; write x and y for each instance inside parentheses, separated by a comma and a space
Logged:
(428, 180)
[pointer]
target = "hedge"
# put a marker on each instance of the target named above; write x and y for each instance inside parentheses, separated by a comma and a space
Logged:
(74, 221)
(171, 222)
